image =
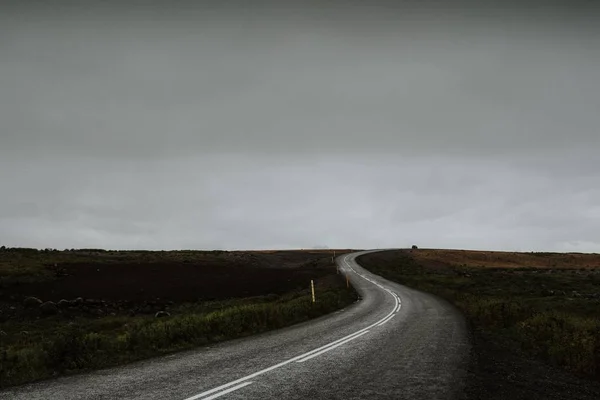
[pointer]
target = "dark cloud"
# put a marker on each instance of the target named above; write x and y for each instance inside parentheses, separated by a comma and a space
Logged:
(238, 126)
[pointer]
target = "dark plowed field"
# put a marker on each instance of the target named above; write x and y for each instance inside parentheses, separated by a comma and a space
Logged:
(173, 276)
(172, 281)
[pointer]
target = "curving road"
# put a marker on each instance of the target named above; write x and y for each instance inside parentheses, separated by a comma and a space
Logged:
(396, 343)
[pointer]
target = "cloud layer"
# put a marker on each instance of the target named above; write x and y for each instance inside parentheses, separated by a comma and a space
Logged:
(284, 127)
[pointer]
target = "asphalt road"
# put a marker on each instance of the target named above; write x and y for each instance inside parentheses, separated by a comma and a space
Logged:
(396, 343)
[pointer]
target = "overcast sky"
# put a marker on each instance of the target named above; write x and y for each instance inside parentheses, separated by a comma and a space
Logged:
(223, 125)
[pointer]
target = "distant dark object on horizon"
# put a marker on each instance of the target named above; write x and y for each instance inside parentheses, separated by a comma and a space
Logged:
(414, 247)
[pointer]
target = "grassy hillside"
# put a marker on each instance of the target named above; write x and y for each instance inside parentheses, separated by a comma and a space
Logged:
(540, 305)
(66, 312)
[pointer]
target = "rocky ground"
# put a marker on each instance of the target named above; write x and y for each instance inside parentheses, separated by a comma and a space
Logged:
(144, 283)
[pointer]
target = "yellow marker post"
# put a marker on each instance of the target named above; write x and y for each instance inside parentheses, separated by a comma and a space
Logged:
(347, 281)
(312, 288)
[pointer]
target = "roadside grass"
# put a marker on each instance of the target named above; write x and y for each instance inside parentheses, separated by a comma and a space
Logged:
(508, 259)
(50, 347)
(211, 296)
(550, 314)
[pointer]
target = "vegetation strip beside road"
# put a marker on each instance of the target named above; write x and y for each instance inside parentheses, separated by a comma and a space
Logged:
(549, 309)
(85, 334)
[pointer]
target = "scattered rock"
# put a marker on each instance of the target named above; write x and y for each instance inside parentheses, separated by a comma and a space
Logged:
(63, 303)
(32, 302)
(98, 312)
(2, 333)
(78, 301)
(161, 314)
(49, 308)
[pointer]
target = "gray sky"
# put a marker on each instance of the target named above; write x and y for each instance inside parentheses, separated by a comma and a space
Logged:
(224, 125)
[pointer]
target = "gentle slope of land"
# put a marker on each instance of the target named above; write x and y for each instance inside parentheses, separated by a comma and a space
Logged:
(396, 343)
(532, 314)
(70, 311)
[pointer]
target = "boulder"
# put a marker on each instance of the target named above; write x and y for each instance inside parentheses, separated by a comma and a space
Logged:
(32, 302)
(63, 303)
(49, 308)
(78, 301)
(162, 314)
(98, 312)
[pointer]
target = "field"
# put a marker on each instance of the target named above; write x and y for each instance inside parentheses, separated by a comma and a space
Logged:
(69, 311)
(535, 316)
(503, 259)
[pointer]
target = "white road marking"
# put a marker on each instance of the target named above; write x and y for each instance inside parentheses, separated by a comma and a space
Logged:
(243, 381)
(332, 347)
(224, 392)
(398, 307)
(386, 320)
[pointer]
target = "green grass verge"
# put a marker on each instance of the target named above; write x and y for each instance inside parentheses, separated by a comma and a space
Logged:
(46, 348)
(550, 314)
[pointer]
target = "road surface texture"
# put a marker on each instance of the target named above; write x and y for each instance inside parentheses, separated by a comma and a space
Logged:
(396, 343)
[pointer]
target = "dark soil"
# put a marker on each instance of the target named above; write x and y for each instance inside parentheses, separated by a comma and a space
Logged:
(172, 281)
(144, 282)
(204, 277)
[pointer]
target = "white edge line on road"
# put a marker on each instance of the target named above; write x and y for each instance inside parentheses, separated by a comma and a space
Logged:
(386, 320)
(305, 355)
(331, 347)
(224, 392)
(398, 306)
